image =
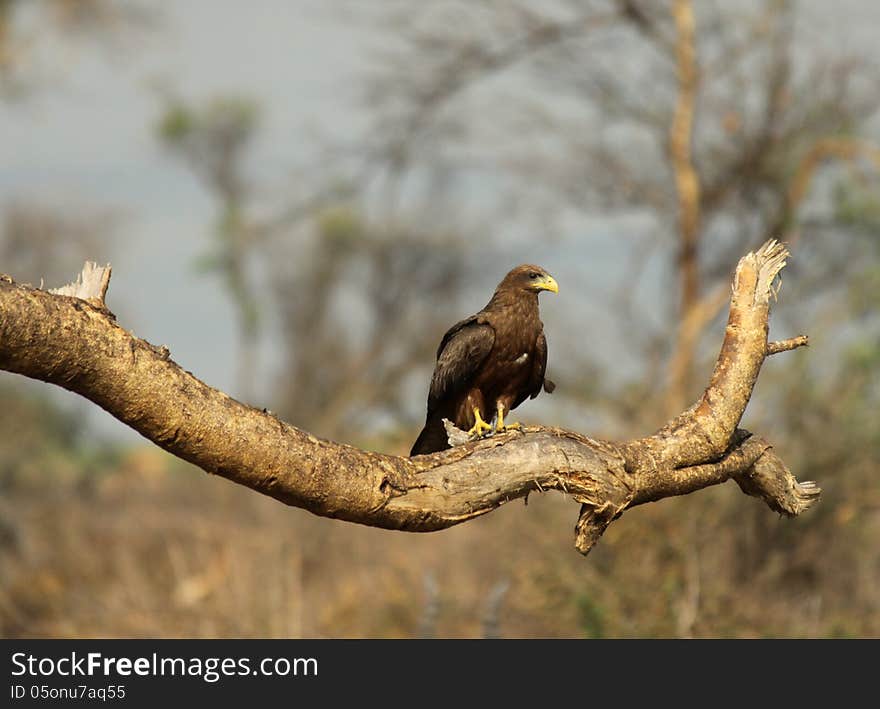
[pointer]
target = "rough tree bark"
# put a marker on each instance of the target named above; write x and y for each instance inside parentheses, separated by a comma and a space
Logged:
(73, 341)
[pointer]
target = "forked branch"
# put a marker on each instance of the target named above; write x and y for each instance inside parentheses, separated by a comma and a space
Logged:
(63, 339)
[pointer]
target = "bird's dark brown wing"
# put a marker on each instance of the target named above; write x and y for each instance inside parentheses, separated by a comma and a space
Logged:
(536, 379)
(463, 349)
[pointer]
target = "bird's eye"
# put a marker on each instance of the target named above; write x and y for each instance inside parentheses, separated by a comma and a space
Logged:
(534, 274)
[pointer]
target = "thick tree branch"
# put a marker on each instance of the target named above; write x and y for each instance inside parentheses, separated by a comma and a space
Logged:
(77, 344)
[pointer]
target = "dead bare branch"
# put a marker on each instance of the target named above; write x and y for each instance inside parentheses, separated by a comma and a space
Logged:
(78, 345)
(785, 345)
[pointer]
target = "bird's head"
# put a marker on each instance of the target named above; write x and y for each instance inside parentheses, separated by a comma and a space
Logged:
(530, 278)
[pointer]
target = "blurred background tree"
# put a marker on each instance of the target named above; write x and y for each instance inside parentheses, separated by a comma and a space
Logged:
(712, 124)
(30, 31)
(634, 148)
(212, 140)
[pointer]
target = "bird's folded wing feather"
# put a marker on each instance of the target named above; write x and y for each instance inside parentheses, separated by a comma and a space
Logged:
(463, 349)
(536, 381)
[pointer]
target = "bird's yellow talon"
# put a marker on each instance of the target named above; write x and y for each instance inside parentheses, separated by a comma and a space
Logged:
(501, 426)
(479, 426)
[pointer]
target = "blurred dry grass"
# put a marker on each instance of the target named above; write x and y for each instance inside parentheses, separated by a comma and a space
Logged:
(154, 548)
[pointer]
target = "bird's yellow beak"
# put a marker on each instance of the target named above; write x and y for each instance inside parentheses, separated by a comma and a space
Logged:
(547, 283)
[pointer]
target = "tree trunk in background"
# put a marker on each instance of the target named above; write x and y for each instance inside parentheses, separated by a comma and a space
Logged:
(687, 184)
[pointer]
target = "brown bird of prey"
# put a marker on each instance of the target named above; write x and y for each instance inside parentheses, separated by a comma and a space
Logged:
(490, 363)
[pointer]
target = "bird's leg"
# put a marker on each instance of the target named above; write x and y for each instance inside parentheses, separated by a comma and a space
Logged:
(479, 426)
(500, 425)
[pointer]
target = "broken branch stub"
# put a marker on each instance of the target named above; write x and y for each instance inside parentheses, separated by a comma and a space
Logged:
(90, 284)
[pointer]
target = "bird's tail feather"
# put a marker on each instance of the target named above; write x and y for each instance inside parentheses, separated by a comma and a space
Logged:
(433, 438)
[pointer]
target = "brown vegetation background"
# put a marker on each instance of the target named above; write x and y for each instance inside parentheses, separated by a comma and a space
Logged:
(636, 150)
